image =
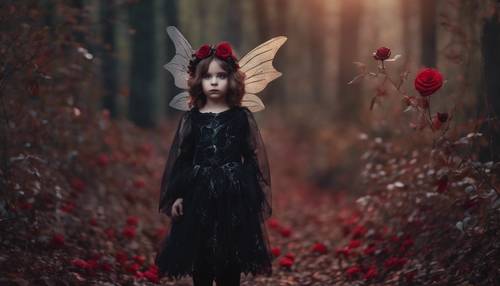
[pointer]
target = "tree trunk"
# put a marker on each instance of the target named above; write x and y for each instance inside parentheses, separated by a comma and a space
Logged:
(349, 95)
(143, 64)
(316, 18)
(172, 19)
(428, 10)
(490, 42)
(262, 19)
(109, 64)
(234, 18)
(275, 93)
(407, 37)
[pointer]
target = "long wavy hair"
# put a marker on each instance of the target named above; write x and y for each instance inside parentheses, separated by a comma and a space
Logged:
(235, 89)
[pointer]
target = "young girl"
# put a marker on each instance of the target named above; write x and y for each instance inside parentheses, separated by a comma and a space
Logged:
(216, 186)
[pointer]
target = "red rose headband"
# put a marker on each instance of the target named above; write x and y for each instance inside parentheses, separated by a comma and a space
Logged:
(222, 51)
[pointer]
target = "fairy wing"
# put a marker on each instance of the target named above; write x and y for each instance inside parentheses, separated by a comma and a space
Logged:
(259, 71)
(178, 67)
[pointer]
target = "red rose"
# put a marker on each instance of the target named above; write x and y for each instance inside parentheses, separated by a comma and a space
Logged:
(121, 257)
(371, 273)
(152, 275)
(132, 220)
(382, 54)
(290, 256)
(276, 251)
(286, 262)
(203, 51)
(369, 250)
(428, 81)
(129, 231)
(319, 247)
(132, 267)
(140, 259)
(345, 251)
(359, 231)
(68, 207)
(286, 231)
(273, 223)
(352, 271)
(355, 243)
(223, 50)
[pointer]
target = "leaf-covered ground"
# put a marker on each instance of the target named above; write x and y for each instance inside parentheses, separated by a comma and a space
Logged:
(97, 220)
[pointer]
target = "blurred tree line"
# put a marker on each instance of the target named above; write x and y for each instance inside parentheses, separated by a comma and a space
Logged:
(130, 44)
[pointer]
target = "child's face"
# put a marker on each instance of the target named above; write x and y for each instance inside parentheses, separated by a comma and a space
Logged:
(215, 82)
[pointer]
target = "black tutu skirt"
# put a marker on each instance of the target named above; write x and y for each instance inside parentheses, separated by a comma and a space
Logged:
(221, 227)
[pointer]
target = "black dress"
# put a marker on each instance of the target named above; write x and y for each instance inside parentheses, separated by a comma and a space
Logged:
(218, 164)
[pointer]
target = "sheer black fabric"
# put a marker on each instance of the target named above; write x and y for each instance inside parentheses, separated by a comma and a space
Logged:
(178, 165)
(218, 165)
(255, 156)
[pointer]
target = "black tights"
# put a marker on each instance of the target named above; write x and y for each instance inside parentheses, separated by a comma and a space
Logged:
(226, 278)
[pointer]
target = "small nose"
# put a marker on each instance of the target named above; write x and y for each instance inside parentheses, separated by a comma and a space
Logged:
(213, 81)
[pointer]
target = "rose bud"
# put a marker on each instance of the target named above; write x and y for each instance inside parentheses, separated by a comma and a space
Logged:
(443, 117)
(382, 54)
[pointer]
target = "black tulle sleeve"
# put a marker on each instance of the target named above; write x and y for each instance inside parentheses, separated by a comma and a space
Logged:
(178, 166)
(256, 161)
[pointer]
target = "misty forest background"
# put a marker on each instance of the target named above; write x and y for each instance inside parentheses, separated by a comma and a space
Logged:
(130, 46)
(362, 195)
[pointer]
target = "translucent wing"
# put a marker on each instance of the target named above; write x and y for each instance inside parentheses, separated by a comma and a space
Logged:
(178, 66)
(180, 101)
(259, 71)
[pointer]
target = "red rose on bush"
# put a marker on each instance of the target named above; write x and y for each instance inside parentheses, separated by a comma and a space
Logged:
(443, 117)
(203, 51)
(273, 223)
(223, 50)
(382, 54)
(428, 81)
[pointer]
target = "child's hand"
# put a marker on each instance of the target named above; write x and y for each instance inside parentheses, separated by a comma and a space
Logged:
(177, 210)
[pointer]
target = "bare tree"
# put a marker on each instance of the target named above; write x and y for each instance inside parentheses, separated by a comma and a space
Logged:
(109, 64)
(428, 10)
(142, 75)
(349, 95)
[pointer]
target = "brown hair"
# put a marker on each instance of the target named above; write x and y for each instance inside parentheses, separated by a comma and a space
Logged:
(235, 89)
